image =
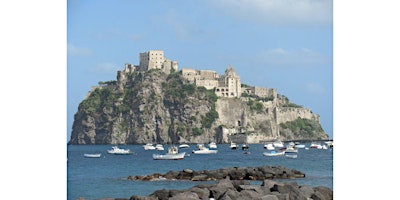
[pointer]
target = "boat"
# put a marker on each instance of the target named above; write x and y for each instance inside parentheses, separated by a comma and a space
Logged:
(245, 146)
(300, 146)
(291, 155)
(117, 151)
(204, 150)
(212, 145)
(94, 155)
(291, 149)
(149, 146)
(172, 154)
(233, 145)
(315, 145)
(159, 147)
(183, 146)
(269, 146)
(274, 153)
(278, 144)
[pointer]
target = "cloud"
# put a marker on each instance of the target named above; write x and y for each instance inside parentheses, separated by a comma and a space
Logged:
(280, 12)
(72, 50)
(105, 68)
(280, 57)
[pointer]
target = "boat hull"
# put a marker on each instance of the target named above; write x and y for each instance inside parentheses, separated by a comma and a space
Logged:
(178, 156)
(274, 153)
(205, 151)
(92, 155)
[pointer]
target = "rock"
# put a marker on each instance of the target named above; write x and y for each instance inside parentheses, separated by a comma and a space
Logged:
(185, 196)
(233, 173)
(322, 193)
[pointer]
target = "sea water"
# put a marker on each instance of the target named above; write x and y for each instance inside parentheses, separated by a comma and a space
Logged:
(106, 177)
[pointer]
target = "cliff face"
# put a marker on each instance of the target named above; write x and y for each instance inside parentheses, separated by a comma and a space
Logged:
(154, 107)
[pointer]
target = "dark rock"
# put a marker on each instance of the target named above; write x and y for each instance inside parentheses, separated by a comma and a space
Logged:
(203, 193)
(141, 198)
(322, 193)
(187, 195)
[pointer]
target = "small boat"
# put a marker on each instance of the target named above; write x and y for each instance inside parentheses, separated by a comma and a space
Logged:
(278, 144)
(245, 146)
(291, 155)
(149, 146)
(300, 146)
(269, 146)
(94, 155)
(117, 151)
(315, 145)
(183, 146)
(212, 145)
(172, 154)
(233, 145)
(204, 150)
(159, 147)
(291, 149)
(274, 153)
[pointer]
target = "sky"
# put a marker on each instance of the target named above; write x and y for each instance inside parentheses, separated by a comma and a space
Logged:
(282, 44)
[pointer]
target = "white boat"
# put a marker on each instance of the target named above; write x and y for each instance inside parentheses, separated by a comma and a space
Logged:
(117, 151)
(291, 149)
(159, 147)
(149, 146)
(315, 145)
(212, 145)
(300, 146)
(269, 146)
(291, 155)
(204, 150)
(183, 146)
(172, 154)
(245, 146)
(233, 145)
(278, 144)
(95, 155)
(274, 153)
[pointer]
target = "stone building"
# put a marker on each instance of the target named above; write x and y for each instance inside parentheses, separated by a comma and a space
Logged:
(229, 84)
(155, 59)
(261, 92)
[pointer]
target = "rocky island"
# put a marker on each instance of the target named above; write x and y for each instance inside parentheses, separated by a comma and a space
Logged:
(154, 102)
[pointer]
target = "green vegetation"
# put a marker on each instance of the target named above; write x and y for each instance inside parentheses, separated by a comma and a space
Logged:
(98, 99)
(303, 127)
(211, 116)
(292, 105)
(255, 106)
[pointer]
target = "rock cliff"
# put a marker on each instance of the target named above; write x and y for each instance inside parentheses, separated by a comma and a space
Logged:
(151, 106)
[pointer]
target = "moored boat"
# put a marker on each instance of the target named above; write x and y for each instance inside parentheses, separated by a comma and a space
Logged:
(204, 150)
(118, 151)
(233, 145)
(149, 146)
(212, 145)
(183, 146)
(94, 155)
(172, 154)
(291, 155)
(159, 147)
(274, 153)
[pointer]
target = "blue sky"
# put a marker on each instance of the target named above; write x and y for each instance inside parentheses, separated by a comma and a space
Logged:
(282, 44)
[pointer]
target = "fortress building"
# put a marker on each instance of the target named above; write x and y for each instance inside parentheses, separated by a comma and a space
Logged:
(227, 85)
(155, 59)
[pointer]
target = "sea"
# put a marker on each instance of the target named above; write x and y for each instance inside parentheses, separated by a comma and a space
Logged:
(107, 176)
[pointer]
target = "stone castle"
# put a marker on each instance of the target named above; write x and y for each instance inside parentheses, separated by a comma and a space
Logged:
(226, 85)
